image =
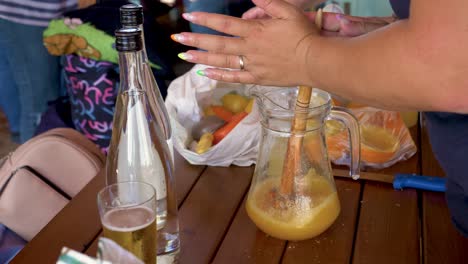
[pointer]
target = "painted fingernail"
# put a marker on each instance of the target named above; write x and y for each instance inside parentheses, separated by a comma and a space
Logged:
(201, 73)
(185, 56)
(188, 16)
(178, 37)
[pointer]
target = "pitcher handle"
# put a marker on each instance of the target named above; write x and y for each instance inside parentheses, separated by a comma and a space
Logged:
(345, 116)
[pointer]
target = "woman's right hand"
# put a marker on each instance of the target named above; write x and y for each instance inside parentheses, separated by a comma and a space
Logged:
(333, 24)
(340, 25)
(259, 13)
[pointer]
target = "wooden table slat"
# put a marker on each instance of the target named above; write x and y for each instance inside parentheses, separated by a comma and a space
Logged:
(389, 219)
(334, 245)
(207, 212)
(245, 243)
(388, 230)
(185, 176)
(92, 249)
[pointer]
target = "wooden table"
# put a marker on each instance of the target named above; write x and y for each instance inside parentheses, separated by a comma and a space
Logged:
(377, 224)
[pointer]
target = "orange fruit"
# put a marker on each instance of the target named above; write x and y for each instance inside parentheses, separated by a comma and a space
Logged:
(378, 145)
(336, 138)
(410, 118)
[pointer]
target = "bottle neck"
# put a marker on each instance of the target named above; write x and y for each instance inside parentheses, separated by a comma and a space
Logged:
(130, 70)
(144, 56)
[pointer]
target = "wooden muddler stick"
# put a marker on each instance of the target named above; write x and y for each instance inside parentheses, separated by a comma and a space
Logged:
(292, 161)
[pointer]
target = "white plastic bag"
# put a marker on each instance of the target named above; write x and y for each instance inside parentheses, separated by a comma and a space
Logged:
(186, 96)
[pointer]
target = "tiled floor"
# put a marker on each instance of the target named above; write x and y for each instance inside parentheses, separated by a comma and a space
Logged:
(6, 145)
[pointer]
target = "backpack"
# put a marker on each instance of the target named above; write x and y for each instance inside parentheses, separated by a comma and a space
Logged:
(39, 178)
(92, 88)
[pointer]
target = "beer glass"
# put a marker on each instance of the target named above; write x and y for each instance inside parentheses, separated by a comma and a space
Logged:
(128, 216)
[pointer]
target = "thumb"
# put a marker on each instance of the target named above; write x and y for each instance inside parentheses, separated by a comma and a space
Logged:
(357, 27)
(254, 13)
(348, 26)
(277, 8)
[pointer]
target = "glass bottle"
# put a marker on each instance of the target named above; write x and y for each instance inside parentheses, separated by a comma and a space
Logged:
(138, 149)
(131, 16)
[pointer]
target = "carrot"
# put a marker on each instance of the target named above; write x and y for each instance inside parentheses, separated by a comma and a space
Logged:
(222, 112)
(224, 130)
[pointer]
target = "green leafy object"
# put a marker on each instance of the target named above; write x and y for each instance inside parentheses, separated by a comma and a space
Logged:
(96, 38)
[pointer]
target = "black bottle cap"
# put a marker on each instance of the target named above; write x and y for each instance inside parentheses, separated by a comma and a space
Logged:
(131, 15)
(128, 39)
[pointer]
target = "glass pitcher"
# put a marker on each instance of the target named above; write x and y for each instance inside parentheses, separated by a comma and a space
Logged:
(310, 205)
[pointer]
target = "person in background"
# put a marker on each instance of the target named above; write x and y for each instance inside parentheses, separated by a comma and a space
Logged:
(416, 62)
(29, 76)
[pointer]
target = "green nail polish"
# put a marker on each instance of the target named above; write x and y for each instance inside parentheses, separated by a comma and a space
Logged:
(182, 56)
(185, 56)
(201, 72)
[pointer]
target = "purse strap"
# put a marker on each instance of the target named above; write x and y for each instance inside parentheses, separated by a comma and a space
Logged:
(38, 175)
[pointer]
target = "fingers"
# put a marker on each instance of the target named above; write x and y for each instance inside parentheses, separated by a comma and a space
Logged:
(330, 21)
(226, 24)
(213, 59)
(254, 13)
(350, 28)
(347, 26)
(277, 8)
(214, 43)
(221, 61)
(228, 75)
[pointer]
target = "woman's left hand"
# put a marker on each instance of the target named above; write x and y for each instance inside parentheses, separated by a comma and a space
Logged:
(273, 51)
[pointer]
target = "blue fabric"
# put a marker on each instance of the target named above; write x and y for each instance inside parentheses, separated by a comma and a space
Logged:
(9, 97)
(225, 7)
(35, 12)
(10, 244)
(401, 8)
(448, 135)
(211, 6)
(7, 254)
(58, 114)
(33, 70)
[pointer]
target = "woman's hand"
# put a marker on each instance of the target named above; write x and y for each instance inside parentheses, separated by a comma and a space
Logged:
(401, 66)
(340, 25)
(259, 13)
(274, 51)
